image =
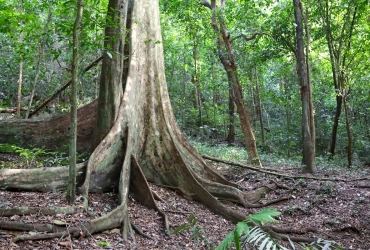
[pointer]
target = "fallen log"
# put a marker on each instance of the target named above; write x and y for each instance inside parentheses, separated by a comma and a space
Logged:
(11, 110)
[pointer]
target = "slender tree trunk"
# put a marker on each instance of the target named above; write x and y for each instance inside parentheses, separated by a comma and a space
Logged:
(308, 134)
(259, 105)
(231, 127)
(71, 189)
(20, 78)
(19, 95)
(195, 80)
(39, 59)
(348, 129)
(287, 111)
(338, 111)
(338, 49)
(227, 59)
(308, 64)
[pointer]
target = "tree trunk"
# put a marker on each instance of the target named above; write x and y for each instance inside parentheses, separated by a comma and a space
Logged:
(348, 129)
(259, 105)
(307, 115)
(71, 188)
(228, 61)
(113, 74)
(231, 128)
(195, 81)
(338, 49)
(19, 95)
(338, 111)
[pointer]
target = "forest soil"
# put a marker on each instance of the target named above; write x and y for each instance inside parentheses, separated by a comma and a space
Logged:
(336, 210)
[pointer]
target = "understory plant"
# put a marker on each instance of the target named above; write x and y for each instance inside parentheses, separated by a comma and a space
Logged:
(198, 234)
(249, 234)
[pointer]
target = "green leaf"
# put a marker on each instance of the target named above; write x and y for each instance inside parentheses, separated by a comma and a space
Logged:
(193, 220)
(181, 228)
(226, 243)
(242, 227)
(103, 243)
(264, 216)
(237, 240)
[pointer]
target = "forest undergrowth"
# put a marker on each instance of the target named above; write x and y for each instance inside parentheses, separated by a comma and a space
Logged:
(334, 210)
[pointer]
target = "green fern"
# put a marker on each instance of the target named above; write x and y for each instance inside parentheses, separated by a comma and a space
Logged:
(243, 234)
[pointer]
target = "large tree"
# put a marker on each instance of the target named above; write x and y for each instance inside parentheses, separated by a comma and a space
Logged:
(136, 135)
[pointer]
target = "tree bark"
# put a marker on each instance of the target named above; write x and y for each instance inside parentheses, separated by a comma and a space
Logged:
(259, 105)
(113, 75)
(19, 94)
(71, 188)
(231, 130)
(307, 114)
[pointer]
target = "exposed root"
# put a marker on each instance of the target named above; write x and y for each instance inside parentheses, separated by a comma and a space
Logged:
(109, 221)
(280, 234)
(41, 236)
(157, 197)
(138, 230)
(141, 191)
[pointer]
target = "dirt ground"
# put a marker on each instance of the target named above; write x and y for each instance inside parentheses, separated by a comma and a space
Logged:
(334, 210)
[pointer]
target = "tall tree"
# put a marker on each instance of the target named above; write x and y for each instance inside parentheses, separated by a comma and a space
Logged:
(338, 35)
(71, 189)
(226, 56)
(304, 80)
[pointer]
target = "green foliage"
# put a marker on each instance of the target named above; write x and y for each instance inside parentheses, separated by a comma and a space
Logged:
(29, 155)
(103, 243)
(197, 233)
(249, 232)
(36, 157)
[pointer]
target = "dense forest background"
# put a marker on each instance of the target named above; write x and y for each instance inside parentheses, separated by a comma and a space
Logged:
(36, 47)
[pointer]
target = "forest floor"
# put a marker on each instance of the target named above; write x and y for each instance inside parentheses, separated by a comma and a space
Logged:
(336, 210)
